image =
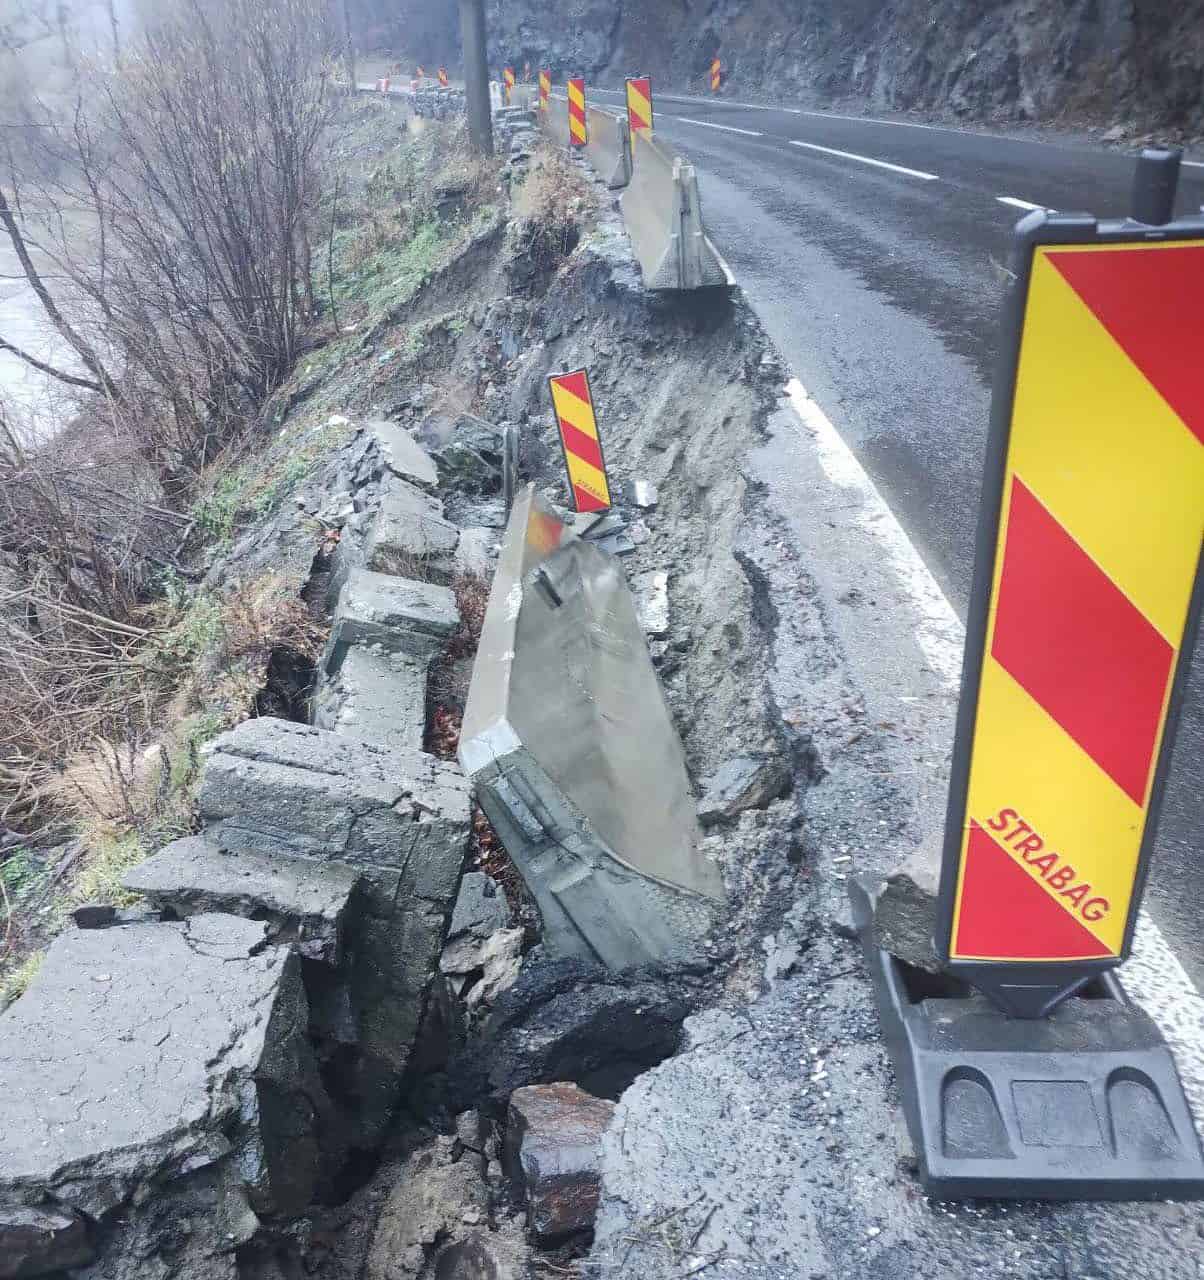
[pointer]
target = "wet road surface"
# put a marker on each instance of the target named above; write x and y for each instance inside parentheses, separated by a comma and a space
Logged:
(874, 253)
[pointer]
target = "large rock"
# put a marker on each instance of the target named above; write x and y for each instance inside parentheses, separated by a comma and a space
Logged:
(301, 900)
(144, 1058)
(402, 455)
(35, 1240)
(372, 680)
(553, 1148)
(434, 1224)
(563, 1020)
(904, 906)
(402, 820)
(746, 782)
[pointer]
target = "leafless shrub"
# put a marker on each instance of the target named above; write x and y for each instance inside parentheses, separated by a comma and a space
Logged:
(174, 205)
(163, 223)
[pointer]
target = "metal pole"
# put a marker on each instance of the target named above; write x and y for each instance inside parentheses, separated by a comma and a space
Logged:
(476, 75)
(349, 46)
(1155, 184)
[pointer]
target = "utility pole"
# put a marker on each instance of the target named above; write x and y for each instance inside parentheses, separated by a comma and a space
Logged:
(476, 75)
(350, 45)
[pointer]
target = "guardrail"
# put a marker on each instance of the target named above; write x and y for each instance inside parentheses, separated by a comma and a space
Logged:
(661, 204)
(608, 145)
(663, 213)
(574, 758)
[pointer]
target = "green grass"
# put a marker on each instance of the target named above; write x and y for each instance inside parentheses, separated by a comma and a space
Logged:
(109, 859)
(217, 512)
(17, 981)
(20, 873)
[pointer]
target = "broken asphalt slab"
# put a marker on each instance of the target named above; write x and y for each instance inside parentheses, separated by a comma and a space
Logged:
(143, 1054)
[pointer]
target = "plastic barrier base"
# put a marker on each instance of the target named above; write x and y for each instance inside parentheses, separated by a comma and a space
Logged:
(1083, 1105)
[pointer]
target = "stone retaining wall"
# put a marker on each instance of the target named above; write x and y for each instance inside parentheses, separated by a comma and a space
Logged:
(169, 1084)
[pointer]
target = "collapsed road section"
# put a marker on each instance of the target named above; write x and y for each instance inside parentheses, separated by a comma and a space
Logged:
(639, 1036)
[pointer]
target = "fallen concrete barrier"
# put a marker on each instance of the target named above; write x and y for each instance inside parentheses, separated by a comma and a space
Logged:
(608, 145)
(663, 213)
(568, 741)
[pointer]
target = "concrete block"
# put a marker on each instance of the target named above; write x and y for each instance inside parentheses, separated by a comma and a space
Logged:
(146, 1054)
(376, 697)
(396, 614)
(273, 784)
(402, 455)
(301, 900)
(553, 1151)
(476, 553)
(904, 906)
(402, 820)
(410, 536)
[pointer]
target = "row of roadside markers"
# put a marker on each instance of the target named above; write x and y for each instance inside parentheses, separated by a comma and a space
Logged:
(1089, 591)
(640, 116)
(384, 83)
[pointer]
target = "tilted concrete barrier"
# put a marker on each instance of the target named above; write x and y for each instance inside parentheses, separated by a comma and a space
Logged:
(568, 741)
(608, 145)
(663, 213)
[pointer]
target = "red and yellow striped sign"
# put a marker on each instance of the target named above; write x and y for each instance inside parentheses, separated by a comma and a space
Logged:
(716, 75)
(545, 89)
(1095, 564)
(508, 81)
(639, 105)
(583, 459)
(577, 134)
(443, 80)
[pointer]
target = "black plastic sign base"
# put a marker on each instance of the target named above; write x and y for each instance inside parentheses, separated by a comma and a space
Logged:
(1085, 1104)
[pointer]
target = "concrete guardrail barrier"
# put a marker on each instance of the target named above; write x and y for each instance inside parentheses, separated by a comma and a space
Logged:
(663, 213)
(569, 744)
(555, 120)
(608, 145)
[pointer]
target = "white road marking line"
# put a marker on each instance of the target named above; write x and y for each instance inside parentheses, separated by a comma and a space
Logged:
(940, 635)
(1153, 975)
(1026, 205)
(1194, 164)
(878, 164)
(727, 128)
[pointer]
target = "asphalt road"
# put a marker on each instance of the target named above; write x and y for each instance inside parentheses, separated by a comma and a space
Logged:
(872, 250)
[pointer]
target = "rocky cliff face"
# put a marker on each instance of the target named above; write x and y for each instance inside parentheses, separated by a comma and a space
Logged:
(1100, 60)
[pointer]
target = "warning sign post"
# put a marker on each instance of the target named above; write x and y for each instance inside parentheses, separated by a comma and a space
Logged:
(639, 106)
(580, 440)
(1084, 607)
(1086, 601)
